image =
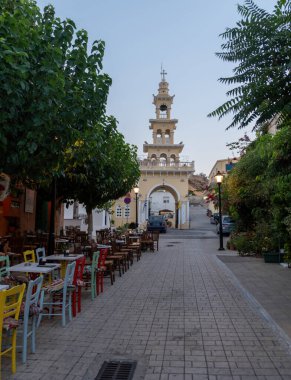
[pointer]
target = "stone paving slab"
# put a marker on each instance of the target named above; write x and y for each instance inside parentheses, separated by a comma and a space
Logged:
(269, 283)
(177, 312)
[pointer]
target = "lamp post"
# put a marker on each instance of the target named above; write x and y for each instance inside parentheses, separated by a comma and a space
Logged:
(219, 178)
(136, 191)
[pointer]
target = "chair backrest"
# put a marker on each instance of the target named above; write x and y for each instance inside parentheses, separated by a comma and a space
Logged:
(113, 246)
(40, 253)
(95, 259)
(10, 303)
(77, 247)
(102, 257)
(33, 294)
(29, 256)
(16, 244)
(155, 235)
(70, 270)
(79, 269)
(4, 266)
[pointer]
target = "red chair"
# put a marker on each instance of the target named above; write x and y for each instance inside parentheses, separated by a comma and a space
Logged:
(102, 268)
(78, 283)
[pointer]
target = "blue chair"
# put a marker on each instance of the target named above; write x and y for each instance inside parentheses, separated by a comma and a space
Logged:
(40, 253)
(60, 296)
(30, 314)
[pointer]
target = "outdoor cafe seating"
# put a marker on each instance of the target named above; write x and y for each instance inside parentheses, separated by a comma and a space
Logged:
(54, 285)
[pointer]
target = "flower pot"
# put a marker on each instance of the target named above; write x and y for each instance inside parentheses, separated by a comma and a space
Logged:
(274, 257)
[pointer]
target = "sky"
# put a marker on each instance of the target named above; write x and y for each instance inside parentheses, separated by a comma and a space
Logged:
(181, 35)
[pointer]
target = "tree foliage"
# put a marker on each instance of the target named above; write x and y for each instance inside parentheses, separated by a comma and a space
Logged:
(51, 90)
(260, 45)
(258, 189)
(97, 174)
(99, 168)
(53, 118)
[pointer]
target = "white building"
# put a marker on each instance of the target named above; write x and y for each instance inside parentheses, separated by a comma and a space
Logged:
(75, 215)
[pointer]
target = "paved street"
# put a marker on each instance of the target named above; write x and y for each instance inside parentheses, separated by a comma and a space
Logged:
(180, 313)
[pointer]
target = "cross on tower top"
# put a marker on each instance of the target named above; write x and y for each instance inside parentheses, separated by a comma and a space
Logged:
(163, 73)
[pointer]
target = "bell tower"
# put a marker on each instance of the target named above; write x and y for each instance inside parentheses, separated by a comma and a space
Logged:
(162, 170)
(163, 127)
(163, 101)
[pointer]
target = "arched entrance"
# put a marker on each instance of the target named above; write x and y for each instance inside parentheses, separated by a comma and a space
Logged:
(165, 189)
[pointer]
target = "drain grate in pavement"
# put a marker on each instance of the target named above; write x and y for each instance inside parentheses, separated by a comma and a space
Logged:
(170, 245)
(175, 242)
(116, 370)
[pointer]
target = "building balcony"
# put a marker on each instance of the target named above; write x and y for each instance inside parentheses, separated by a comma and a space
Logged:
(166, 165)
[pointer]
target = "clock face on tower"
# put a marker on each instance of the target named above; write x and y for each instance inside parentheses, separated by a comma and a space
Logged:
(163, 107)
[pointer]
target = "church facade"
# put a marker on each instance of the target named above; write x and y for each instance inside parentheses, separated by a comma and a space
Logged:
(161, 168)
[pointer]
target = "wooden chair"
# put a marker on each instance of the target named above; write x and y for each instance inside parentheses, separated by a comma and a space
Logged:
(40, 253)
(16, 244)
(147, 242)
(125, 254)
(78, 283)
(10, 303)
(155, 238)
(4, 267)
(103, 269)
(29, 256)
(30, 242)
(60, 296)
(30, 315)
(90, 275)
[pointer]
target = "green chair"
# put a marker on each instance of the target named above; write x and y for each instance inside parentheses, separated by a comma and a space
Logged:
(90, 275)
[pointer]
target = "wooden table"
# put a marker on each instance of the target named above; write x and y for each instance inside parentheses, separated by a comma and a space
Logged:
(34, 268)
(64, 259)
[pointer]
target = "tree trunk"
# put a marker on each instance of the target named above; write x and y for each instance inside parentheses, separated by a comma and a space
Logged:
(51, 240)
(90, 222)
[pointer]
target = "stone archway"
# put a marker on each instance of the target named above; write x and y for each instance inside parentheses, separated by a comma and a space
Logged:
(176, 195)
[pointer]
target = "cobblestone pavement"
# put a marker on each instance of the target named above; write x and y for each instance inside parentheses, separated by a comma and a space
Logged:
(179, 313)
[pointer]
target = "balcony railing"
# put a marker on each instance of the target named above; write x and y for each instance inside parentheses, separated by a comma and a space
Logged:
(166, 165)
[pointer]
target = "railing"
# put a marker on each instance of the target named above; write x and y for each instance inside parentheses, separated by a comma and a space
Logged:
(158, 164)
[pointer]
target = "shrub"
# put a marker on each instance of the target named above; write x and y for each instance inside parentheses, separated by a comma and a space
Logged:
(244, 243)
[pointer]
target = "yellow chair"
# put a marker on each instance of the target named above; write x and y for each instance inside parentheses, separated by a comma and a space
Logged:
(29, 256)
(10, 303)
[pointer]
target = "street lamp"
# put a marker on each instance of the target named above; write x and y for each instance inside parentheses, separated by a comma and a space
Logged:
(136, 191)
(219, 178)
